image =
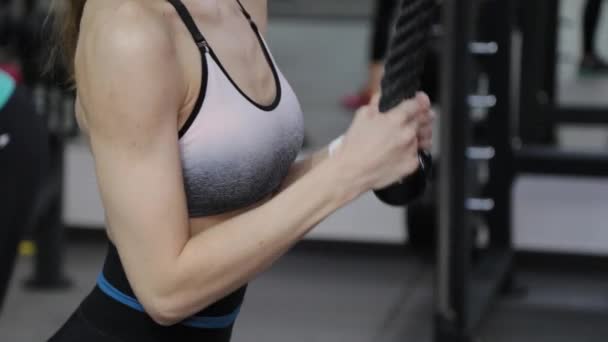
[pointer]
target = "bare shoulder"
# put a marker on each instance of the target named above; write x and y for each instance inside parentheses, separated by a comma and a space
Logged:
(126, 65)
(122, 28)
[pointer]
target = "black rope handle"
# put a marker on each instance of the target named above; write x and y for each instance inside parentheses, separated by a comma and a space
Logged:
(404, 66)
(407, 52)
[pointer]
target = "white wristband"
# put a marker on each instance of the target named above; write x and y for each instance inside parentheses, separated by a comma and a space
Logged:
(333, 146)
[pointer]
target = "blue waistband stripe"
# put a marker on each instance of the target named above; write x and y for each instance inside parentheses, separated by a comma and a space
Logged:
(114, 293)
(212, 322)
(217, 322)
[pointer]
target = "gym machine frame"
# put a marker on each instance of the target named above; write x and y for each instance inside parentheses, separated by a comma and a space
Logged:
(540, 31)
(465, 288)
(567, 114)
(540, 113)
(538, 22)
(539, 28)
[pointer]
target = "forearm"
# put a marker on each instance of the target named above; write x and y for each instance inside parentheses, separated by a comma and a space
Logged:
(226, 256)
(303, 166)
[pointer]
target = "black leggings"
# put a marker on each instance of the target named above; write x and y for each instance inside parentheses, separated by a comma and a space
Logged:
(22, 165)
(383, 16)
(104, 316)
(102, 319)
(592, 13)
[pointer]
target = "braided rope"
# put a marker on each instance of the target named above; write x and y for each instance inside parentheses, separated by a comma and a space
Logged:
(407, 51)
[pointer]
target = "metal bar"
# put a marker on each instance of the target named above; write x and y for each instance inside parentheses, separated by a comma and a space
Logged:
(551, 38)
(464, 293)
(550, 160)
(483, 48)
(499, 122)
(581, 115)
(453, 247)
(482, 101)
(480, 204)
(481, 153)
(488, 280)
(536, 125)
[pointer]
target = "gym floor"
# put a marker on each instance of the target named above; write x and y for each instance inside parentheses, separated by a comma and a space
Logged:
(334, 294)
(345, 294)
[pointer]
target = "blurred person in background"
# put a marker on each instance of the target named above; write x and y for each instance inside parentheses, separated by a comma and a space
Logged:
(382, 19)
(8, 39)
(591, 61)
(23, 165)
(194, 133)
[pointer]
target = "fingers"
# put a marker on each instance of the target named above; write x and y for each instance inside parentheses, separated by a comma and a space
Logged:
(425, 138)
(411, 161)
(413, 108)
(423, 100)
(413, 114)
(426, 118)
(406, 112)
(425, 130)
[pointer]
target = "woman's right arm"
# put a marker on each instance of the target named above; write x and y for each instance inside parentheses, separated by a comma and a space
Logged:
(130, 87)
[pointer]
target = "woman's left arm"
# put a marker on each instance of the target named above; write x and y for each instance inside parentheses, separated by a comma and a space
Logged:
(303, 166)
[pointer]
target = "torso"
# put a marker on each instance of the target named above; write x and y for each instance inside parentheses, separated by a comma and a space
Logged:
(242, 57)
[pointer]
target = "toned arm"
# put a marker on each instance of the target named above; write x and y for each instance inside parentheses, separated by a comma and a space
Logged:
(130, 87)
(301, 167)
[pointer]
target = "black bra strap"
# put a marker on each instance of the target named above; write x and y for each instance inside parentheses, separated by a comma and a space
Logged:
(183, 12)
(247, 15)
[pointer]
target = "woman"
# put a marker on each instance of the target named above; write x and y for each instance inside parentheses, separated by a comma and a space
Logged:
(194, 138)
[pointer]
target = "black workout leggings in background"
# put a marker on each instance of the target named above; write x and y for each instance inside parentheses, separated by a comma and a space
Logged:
(23, 162)
(381, 26)
(590, 24)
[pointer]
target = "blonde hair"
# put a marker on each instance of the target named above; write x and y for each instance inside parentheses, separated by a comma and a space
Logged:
(66, 16)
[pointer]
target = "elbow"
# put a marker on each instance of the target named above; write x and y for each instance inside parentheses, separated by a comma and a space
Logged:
(169, 298)
(163, 312)
(170, 310)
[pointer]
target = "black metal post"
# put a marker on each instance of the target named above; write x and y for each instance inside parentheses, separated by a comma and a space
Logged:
(552, 33)
(537, 85)
(453, 247)
(501, 170)
(466, 287)
(502, 166)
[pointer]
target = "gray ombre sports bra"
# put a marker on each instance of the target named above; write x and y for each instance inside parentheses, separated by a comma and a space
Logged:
(235, 151)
